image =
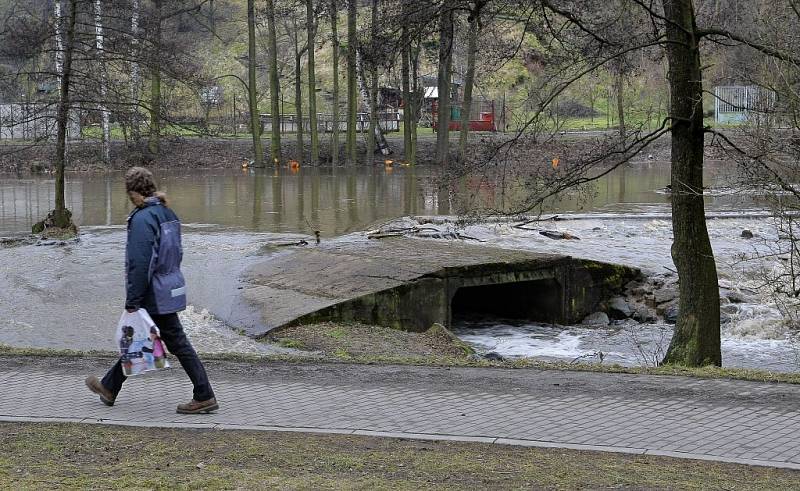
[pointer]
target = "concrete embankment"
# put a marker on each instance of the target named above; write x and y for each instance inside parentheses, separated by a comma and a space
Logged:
(412, 284)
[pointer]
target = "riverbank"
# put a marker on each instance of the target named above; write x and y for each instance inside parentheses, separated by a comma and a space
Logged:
(52, 456)
(226, 153)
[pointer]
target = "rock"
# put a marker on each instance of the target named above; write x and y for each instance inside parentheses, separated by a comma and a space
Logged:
(493, 356)
(746, 234)
(736, 297)
(665, 295)
(724, 318)
(729, 309)
(596, 319)
(671, 314)
(619, 308)
(18, 241)
(638, 288)
(642, 314)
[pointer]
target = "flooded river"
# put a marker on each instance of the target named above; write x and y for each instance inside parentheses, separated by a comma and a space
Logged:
(67, 297)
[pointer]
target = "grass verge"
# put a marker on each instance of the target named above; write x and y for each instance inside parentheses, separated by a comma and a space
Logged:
(37, 456)
(343, 356)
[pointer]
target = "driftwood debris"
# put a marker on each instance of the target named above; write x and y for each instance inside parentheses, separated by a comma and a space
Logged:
(301, 242)
(556, 235)
(421, 232)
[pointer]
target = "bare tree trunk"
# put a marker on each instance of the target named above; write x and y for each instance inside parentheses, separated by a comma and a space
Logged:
(406, 88)
(352, 84)
(444, 83)
(334, 13)
(416, 101)
(619, 87)
(136, 78)
(274, 85)
(61, 216)
(155, 86)
(298, 95)
(696, 341)
(373, 84)
(469, 79)
(311, 26)
(252, 87)
(104, 114)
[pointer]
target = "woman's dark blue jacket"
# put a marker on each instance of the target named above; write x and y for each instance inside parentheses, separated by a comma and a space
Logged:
(153, 258)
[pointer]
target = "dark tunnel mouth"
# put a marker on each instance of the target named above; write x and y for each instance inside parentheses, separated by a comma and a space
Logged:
(533, 300)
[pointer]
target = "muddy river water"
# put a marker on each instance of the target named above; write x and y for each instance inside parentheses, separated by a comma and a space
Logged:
(70, 296)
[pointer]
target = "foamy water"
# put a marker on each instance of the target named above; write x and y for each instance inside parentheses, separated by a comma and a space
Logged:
(71, 297)
(757, 336)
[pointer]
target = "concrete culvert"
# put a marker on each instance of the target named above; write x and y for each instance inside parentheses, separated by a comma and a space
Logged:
(539, 301)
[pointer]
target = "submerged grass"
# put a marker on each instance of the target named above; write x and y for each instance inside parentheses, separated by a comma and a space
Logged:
(37, 456)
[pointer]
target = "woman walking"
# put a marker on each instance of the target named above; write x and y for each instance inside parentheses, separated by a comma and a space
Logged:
(154, 282)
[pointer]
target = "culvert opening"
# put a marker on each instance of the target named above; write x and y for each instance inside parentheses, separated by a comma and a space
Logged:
(538, 301)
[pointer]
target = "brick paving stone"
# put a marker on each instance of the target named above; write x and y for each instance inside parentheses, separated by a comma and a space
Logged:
(762, 431)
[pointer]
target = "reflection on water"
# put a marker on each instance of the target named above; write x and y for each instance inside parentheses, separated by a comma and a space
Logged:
(333, 200)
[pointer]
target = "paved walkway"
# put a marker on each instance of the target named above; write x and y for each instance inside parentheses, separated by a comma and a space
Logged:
(731, 421)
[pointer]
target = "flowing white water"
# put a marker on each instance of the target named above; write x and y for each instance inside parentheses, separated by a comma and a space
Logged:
(72, 296)
(757, 336)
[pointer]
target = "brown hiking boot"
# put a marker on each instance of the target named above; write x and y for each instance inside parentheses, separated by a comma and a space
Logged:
(97, 387)
(197, 407)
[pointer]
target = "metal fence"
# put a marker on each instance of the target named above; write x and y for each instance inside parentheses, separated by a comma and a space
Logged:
(738, 104)
(389, 121)
(33, 121)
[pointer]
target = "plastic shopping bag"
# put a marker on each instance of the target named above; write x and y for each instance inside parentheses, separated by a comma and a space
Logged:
(139, 341)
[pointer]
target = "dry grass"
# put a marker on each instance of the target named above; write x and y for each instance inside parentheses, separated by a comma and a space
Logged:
(58, 456)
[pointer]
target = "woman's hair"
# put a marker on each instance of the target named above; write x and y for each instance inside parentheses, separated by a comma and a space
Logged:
(140, 180)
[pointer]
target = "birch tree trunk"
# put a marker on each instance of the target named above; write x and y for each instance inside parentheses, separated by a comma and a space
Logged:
(104, 114)
(352, 89)
(696, 341)
(334, 13)
(59, 35)
(311, 27)
(274, 85)
(252, 87)
(375, 131)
